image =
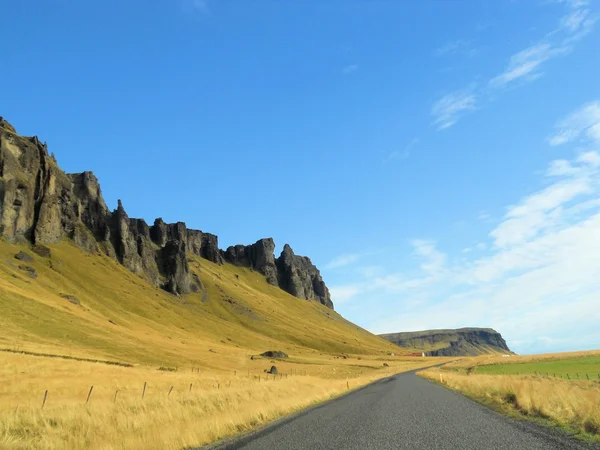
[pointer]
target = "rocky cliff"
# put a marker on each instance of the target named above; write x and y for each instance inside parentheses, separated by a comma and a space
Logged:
(461, 342)
(39, 203)
(294, 274)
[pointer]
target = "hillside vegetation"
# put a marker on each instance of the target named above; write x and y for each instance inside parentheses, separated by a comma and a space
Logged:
(82, 305)
(110, 313)
(559, 389)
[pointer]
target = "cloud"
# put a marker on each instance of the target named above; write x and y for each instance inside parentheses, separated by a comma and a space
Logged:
(537, 281)
(458, 47)
(342, 261)
(523, 67)
(448, 110)
(341, 294)
(583, 123)
(401, 155)
(196, 6)
(544, 208)
(434, 260)
(483, 216)
(526, 64)
(350, 69)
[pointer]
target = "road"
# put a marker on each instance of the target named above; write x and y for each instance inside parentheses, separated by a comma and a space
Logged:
(403, 412)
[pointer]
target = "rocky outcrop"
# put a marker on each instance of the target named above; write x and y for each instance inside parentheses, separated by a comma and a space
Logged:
(40, 204)
(298, 276)
(294, 274)
(461, 342)
(258, 256)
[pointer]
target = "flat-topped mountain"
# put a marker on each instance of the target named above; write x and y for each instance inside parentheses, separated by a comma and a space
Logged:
(460, 342)
(41, 204)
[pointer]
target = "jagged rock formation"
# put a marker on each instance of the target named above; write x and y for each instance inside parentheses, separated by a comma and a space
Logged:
(39, 203)
(258, 256)
(298, 276)
(294, 274)
(461, 342)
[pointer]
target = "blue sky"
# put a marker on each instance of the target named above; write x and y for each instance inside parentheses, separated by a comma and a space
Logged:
(438, 160)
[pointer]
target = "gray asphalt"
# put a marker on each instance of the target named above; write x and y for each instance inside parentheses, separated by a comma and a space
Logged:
(404, 412)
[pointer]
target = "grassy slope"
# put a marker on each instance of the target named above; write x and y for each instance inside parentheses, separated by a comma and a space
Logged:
(512, 386)
(123, 318)
(242, 315)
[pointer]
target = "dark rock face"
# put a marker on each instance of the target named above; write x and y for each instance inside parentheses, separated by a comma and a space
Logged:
(40, 204)
(294, 274)
(461, 342)
(298, 276)
(274, 354)
(25, 257)
(42, 250)
(258, 256)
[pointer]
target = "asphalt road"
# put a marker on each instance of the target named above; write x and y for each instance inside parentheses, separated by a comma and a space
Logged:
(403, 412)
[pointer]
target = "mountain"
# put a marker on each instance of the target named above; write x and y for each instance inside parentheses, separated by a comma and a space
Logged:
(41, 204)
(461, 342)
(78, 279)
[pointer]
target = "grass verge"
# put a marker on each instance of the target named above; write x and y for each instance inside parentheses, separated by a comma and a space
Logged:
(178, 410)
(571, 405)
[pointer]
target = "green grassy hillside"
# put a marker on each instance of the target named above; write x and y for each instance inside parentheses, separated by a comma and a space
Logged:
(114, 314)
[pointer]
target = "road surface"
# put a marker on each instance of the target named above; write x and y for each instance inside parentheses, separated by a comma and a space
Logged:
(403, 412)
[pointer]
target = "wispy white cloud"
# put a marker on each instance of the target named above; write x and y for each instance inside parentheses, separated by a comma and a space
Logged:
(196, 6)
(342, 261)
(350, 69)
(583, 123)
(458, 47)
(483, 216)
(448, 109)
(401, 155)
(341, 294)
(526, 64)
(537, 281)
(523, 67)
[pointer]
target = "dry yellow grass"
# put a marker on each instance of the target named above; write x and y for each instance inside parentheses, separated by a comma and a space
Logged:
(575, 405)
(121, 317)
(220, 403)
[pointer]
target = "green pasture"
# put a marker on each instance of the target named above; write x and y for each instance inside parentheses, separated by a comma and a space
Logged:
(582, 367)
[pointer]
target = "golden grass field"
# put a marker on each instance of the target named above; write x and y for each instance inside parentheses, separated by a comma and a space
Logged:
(123, 318)
(574, 404)
(220, 404)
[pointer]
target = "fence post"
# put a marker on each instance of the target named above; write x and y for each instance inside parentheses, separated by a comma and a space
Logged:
(144, 390)
(588, 377)
(45, 397)
(116, 393)
(170, 390)
(89, 395)
(568, 377)
(190, 391)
